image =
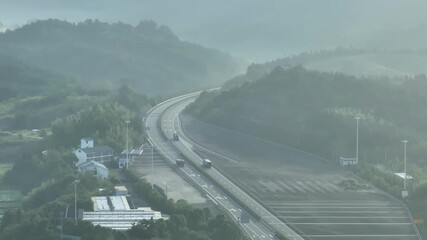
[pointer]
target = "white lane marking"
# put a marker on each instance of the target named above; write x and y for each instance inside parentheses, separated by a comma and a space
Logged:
(351, 223)
(359, 236)
(304, 185)
(281, 183)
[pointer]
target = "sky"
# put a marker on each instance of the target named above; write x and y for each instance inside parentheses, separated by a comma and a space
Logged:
(255, 30)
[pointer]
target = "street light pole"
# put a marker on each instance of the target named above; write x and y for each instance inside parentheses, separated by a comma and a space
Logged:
(152, 159)
(75, 200)
(357, 138)
(166, 189)
(404, 164)
(127, 144)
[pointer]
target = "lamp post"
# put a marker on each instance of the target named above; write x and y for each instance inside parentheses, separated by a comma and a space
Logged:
(166, 189)
(357, 138)
(127, 144)
(152, 159)
(404, 164)
(75, 200)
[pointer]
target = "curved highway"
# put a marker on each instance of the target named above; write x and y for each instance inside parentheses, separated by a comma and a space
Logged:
(162, 122)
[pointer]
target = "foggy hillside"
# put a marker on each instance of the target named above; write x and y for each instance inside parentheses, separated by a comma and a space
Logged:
(314, 111)
(22, 80)
(355, 62)
(146, 56)
(255, 30)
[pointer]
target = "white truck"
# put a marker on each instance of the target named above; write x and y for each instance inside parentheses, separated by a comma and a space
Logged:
(207, 163)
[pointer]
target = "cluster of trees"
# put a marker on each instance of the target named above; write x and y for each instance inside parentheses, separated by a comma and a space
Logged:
(33, 98)
(21, 79)
(315, 112)
(105, 123)
(46, 204)
(52, 194)
(49, 174)
(145, 56)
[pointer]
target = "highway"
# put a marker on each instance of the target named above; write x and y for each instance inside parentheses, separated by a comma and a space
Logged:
(162, 121)
(301, 189)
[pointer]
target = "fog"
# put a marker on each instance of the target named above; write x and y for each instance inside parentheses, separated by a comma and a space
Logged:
(253, 30)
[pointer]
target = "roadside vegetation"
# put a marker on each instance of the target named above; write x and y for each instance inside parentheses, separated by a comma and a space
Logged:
(315, 112)
(43, 117)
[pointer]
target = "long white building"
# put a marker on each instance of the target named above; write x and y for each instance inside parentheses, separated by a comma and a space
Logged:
(114, 212)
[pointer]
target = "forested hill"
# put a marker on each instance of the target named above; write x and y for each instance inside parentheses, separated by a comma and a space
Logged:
(315, 112)
(18, 79)
(145, 56)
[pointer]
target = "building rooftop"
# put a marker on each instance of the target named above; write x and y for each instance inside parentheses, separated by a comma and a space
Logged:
(120, 188)
(97, 149)
(90, 164)
(402, 175)
(133, 152)
(119, 203)
(100, 204)
(114, 212)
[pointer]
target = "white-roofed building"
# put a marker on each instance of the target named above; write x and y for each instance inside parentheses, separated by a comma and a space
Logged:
(88, 152)
(119, 203)
(114, 212)
(123, 157)
(403, 175)
(98, 169)
(86, 143)
(121, 190)
(100, 204)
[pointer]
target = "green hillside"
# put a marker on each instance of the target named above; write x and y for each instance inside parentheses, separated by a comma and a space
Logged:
(20, 79)
(315, 111)
(145, 56)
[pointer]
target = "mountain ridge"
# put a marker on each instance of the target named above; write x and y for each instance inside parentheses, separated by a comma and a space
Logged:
(145, 56)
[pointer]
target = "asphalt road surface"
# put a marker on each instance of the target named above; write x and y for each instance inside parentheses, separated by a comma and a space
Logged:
(303, 190)
(166, 114)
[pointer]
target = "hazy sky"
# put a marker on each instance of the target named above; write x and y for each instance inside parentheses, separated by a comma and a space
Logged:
(256, 30)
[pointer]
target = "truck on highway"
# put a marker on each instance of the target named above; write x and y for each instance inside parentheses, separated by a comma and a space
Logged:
(176, 137)
(207, 163)
(180, 162)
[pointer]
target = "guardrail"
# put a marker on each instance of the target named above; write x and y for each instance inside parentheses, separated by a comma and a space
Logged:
(193, 160)
(194, 164)
(397, 200)
(170, 162)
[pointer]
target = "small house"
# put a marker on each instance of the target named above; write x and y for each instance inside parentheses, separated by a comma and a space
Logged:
(98, 169)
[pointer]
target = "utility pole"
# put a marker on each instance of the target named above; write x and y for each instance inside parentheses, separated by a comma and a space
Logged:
(127, 144)
(75, 200)
(357, 138)
(152, 159)
(404, 164)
